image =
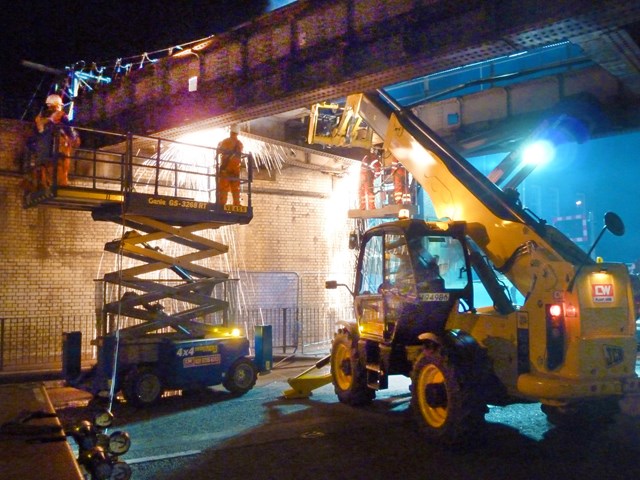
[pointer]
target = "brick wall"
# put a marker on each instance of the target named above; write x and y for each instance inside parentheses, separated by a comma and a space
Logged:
(49, 258)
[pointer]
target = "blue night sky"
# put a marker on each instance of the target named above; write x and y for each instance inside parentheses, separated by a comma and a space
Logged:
(605, 173)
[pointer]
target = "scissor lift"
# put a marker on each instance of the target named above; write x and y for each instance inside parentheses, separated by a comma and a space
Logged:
(145, 185)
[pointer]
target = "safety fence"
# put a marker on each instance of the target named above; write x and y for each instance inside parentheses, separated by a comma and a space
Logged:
(294, 330)
(36, 343)
(31, 344)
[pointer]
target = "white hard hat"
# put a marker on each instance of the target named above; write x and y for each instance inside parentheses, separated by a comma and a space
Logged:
(234, 129)
(55, 100)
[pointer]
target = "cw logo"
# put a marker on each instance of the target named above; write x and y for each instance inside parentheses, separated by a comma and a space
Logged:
(603, 290)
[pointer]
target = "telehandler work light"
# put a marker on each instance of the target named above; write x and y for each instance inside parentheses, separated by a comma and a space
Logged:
(538, 153)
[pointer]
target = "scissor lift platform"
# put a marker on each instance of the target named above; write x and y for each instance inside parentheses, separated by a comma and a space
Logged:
(73, 198)
(163, 179)
(107, 205)
(174, 210)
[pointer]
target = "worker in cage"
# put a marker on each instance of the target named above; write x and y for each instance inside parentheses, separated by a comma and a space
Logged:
(49, 123)
(370, 168)
(401, 191)
(230, 161)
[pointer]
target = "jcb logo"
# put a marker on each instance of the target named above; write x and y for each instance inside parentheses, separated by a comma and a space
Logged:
(602, 292)
(613, 355)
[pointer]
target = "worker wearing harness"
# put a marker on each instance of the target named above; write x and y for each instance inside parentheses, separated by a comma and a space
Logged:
(46, 123)
(230, 151)
(369, 170)
(401, 195)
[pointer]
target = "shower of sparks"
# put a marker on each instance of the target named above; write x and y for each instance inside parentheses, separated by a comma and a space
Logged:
(265, 155)
(186, 167)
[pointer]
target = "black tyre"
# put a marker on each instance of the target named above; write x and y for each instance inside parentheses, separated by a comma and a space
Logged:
(348, 373)
(241, 377)
(142, 386)
(444, 405)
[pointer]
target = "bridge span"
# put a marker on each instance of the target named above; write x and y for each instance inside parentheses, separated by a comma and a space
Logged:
(311, 51)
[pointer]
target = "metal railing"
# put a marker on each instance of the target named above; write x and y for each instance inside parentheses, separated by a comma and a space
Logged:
(119, 162)
(35, 343)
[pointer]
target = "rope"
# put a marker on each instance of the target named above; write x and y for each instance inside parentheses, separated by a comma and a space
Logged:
(114, 373)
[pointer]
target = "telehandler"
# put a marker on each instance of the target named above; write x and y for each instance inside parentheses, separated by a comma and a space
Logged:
(569, 345)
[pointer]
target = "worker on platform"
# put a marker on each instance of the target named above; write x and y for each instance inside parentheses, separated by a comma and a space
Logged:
(401, 195)
(230, 160)
(49, 123)
(369, 171)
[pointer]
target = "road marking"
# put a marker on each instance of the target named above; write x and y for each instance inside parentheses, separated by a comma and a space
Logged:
(163, 457)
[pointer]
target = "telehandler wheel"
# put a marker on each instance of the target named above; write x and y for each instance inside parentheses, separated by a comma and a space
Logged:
(445, 408)
(241, 377)
(349, 376)
(142, 386)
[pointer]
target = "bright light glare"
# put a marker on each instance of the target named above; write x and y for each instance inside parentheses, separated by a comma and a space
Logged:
(451, 211)
(193, 158)
(555, 310)
(337, 206)
(538, 153)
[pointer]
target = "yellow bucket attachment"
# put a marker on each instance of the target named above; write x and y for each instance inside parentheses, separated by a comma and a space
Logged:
(303, 384)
